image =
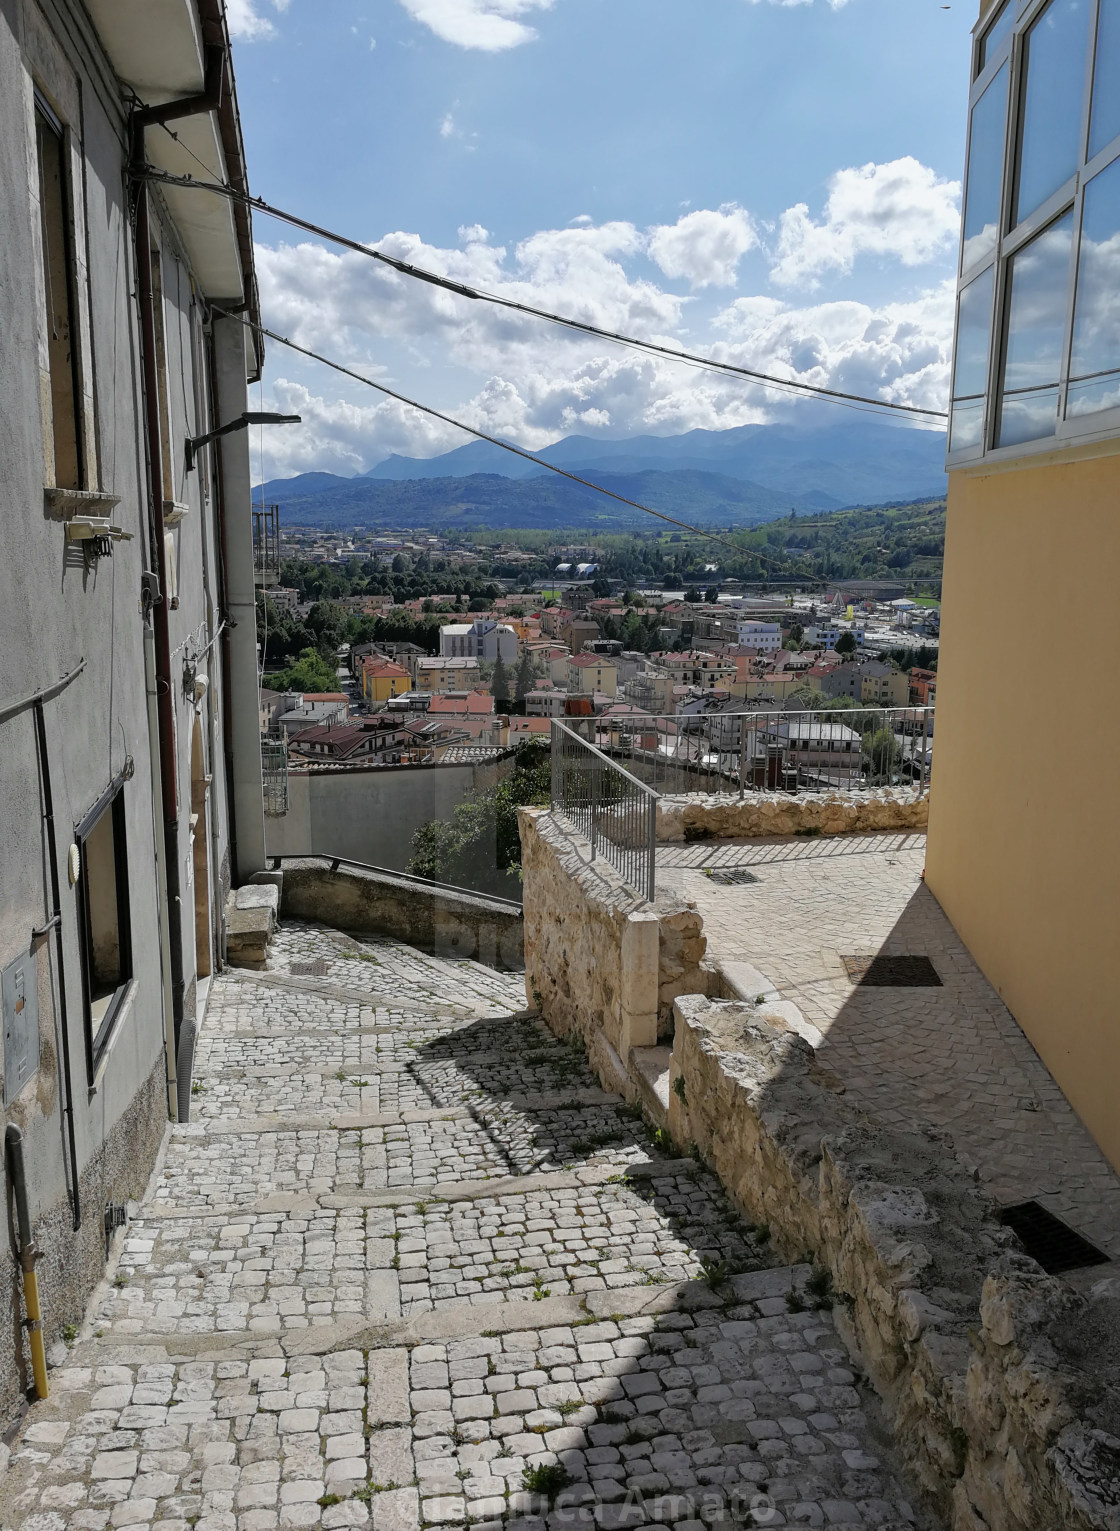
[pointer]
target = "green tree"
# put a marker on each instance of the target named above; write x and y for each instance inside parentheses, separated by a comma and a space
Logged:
(525, 678)
(692, 596)
(499, 682)
(711, 595)
(846, 643)
(309, 673)
(479, 846)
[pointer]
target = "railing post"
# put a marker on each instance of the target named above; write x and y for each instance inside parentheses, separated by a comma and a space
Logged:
(651, 850)
(742, 757)
(594, 804)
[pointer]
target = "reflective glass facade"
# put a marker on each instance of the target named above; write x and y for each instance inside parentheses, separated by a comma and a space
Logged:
(1037, 357)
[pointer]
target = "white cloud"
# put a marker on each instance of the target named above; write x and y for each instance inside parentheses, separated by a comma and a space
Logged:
(704, 248)
(246, 24)
(533, 382)
(902, 210)
(490, 25)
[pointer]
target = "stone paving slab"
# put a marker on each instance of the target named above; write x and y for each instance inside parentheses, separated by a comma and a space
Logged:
(952, 1058)
(344, 1306)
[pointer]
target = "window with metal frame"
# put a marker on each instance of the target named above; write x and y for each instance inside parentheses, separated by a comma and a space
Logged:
(65, 464)
(104, 921)
(1037, 353)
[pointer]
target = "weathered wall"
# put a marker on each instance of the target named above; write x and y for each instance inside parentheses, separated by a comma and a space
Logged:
(774, 813)
(1026, 870)
(370, 814)
(599, 963)
(972, 1346)
(449, 924)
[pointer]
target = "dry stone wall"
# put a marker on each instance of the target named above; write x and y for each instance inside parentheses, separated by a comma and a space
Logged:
(774, 813)
(1004, 1416)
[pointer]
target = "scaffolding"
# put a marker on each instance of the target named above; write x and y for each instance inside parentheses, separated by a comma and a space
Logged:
(266, 546)
(274, 773)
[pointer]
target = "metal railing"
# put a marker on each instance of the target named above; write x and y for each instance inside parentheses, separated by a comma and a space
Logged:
(615, 811)
(274, 775)
(819, 750)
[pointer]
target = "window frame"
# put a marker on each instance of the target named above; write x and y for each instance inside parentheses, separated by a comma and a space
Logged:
(44, 116)
(1069, 432)
(111, 801)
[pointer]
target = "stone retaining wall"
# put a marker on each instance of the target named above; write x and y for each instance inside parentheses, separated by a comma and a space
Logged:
(599, 963)
(775, 813)
(438, 920)
(1001, 1409)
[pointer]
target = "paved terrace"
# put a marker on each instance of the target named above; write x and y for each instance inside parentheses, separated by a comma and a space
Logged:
(406, 1250)
(952, 1058)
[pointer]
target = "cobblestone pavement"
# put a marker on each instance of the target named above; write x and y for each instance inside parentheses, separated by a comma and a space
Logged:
(952, 1057)
(409, 1266)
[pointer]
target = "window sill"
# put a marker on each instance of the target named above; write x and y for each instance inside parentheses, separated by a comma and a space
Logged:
(124, 1003)
(65, 504)
(173, 512)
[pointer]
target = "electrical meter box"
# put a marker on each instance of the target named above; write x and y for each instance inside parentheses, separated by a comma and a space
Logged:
(19, 993)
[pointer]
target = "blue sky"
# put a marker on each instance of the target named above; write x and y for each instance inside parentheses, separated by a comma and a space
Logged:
(776, 183)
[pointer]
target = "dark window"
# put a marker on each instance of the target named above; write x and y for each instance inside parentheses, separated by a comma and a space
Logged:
(104, 923)
(1053, 90)
(64, 451)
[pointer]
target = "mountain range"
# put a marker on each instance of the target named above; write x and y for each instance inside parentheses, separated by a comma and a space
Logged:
(737, 477)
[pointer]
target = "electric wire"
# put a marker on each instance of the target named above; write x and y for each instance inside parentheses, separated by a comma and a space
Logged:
(862, 402)
(738, 549)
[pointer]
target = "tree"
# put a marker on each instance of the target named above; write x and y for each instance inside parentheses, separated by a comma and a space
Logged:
(525, 679)
(480, 845)
(796, 633)
(499, 681)
(711, 595)
(600, 588)
(309, 673)
(846, 643)
(692, 596)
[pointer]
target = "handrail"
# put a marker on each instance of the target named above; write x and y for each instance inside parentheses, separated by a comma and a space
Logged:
(606, 759)
(366, 866)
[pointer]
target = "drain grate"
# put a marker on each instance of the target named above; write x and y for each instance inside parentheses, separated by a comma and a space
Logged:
(316, 969)
(1055, 1245)
(731, 877)
(892, 972)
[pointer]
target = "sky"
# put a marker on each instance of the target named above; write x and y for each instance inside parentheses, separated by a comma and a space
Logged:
(772, 182)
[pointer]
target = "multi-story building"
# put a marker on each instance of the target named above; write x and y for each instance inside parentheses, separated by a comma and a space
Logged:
(765, 637)
(869, 681)
(591, 675)
(446, 674)
(484, 640)
(696, 668)
(382, 679)
(130, 766)
(1023, 862)
(923, 687)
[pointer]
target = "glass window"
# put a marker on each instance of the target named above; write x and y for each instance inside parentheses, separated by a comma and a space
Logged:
(970, 368)
(1037, 286)
(985, 172)
(1094, 381)
(1053, 91)
(995, 35)
(65, 471)
(104, 923)
(1105, 122)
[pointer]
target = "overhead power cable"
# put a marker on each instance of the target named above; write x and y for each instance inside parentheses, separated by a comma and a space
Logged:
(507, 446)
(863, 402)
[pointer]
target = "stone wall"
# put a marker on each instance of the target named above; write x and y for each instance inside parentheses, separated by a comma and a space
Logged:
(447, 923)
(774, 813)
(991, 1370)
(599, 963)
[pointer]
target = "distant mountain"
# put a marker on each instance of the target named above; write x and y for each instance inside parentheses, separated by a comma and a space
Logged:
(852, 462)
(488, 499)
(736, 477)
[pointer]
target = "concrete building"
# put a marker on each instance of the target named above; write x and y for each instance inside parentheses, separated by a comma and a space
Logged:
(589, 674)
(1025, 868)
(484, 640)
(382, 679)
(446, 674)
(765, 637)
(130, 768)
(868, 681)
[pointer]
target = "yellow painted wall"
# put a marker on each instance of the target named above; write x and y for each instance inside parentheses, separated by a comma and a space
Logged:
(1024, 830)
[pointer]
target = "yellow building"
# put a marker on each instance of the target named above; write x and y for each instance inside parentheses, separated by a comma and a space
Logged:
(1024, 837)
(382, 679)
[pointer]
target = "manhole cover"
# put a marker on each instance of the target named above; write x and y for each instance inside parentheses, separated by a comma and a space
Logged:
(1055, 1245)
(316, 969)
(730, 877)
(892, 972)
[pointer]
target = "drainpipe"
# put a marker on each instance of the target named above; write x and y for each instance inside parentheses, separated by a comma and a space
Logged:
(28, 1254)
(169, 789)
(209, 100)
